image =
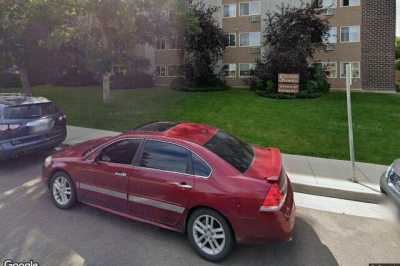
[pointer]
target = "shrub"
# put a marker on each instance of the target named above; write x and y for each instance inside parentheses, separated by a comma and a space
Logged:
(397, 64)
(293, 35)
(132, 81)
(73, 77)
(182, 84)
(204, 44)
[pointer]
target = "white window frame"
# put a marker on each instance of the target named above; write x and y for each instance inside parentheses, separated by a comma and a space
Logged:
(341, 4)
(159, 72)
(350, 41)
(240, 68)
(333, 6)
(170, 41)
(230, 16)
(343, 71)
(161, 41)
(250, 3)
(249, 45)
(324, 65)
(327, 40)
(236, 39)
(229, 70)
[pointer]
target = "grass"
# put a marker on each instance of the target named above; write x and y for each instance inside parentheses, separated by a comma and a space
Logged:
(315, 127)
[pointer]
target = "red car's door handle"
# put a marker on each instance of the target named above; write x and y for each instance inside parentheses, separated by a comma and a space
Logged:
(120, 174)
(182, 185)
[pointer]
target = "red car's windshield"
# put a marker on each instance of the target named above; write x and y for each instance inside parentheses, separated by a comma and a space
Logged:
(231, 149)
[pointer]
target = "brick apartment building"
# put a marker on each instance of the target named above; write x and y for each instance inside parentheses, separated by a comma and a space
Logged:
(362, 33)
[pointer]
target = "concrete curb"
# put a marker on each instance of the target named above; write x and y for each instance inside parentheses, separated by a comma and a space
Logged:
(343, 193)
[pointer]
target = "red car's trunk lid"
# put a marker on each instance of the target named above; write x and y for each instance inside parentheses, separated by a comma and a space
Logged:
(267, 164)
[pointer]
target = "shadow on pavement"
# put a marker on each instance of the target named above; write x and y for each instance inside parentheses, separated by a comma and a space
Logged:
(32, 228)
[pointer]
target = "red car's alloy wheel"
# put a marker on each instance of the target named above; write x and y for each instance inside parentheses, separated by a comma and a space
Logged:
(62, 190)
(210, 234)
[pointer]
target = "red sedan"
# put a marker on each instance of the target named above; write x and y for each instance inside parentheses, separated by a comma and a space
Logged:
(185, 177)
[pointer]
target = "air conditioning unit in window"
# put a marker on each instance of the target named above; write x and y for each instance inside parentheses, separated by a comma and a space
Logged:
(329, 11)
(254, 19)
(330, 47)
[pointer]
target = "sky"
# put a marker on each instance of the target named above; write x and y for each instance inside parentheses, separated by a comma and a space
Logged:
(398, 17)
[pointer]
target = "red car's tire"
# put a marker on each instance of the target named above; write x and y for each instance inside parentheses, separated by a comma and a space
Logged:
(210, 235)
(62, 190)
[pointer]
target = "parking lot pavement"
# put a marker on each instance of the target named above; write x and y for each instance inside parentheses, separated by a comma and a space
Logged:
(32, 228)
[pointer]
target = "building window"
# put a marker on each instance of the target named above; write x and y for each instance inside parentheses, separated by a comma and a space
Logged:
(175, 43)
(350, 34)
(161, 71)
(250, 39)
(229, 70)
(327, 3)
(174, 71)
(355, 69)
(230, 11)
(347, 3)
(230, 39)
(250, 8)
(246, 70)
(331, 36)
(161, 44)
(330, 69)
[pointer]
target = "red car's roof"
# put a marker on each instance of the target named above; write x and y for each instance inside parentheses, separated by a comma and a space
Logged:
(196, 133)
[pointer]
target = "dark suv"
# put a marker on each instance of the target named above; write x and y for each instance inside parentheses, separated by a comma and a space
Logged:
(29, 124)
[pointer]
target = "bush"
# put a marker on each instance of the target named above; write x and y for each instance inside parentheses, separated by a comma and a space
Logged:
(182, 84)
(313, 88)
(132, 81)
(9, 80)
(398, 64)
(76, 78)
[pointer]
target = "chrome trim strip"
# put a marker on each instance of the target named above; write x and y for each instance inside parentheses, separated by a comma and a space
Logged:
(135, 199)
(156, 204)
(104, 191)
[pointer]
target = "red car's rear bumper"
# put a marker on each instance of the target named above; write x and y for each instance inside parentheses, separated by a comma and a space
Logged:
(268, 226)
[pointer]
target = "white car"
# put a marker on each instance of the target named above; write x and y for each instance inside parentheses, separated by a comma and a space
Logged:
(390, 182)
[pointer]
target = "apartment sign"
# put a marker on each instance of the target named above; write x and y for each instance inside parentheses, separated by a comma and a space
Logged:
(289, 83)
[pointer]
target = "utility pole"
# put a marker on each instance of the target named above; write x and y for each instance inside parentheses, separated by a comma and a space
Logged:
(349, 82)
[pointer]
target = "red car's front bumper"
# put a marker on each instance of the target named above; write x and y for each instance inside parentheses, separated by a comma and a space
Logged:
(269, 226)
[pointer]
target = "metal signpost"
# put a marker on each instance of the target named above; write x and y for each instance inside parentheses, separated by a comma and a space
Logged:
(349, 82)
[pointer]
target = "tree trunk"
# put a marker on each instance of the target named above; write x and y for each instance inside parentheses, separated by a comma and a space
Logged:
(26, 85)
(107, 87)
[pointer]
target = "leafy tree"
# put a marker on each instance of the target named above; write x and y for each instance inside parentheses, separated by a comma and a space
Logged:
(18, 19)
(293, 35)
(109, 31)
(397, 48)
(203, 42)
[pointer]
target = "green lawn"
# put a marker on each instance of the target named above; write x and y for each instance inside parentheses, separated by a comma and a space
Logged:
(316, 127)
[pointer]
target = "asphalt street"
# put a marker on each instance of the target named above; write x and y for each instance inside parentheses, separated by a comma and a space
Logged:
(32, 228)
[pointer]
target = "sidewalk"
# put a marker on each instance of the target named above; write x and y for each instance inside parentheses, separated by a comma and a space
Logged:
(309, 175)
(332, 178)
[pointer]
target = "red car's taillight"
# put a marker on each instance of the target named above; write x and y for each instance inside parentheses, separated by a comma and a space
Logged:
(276, 196)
